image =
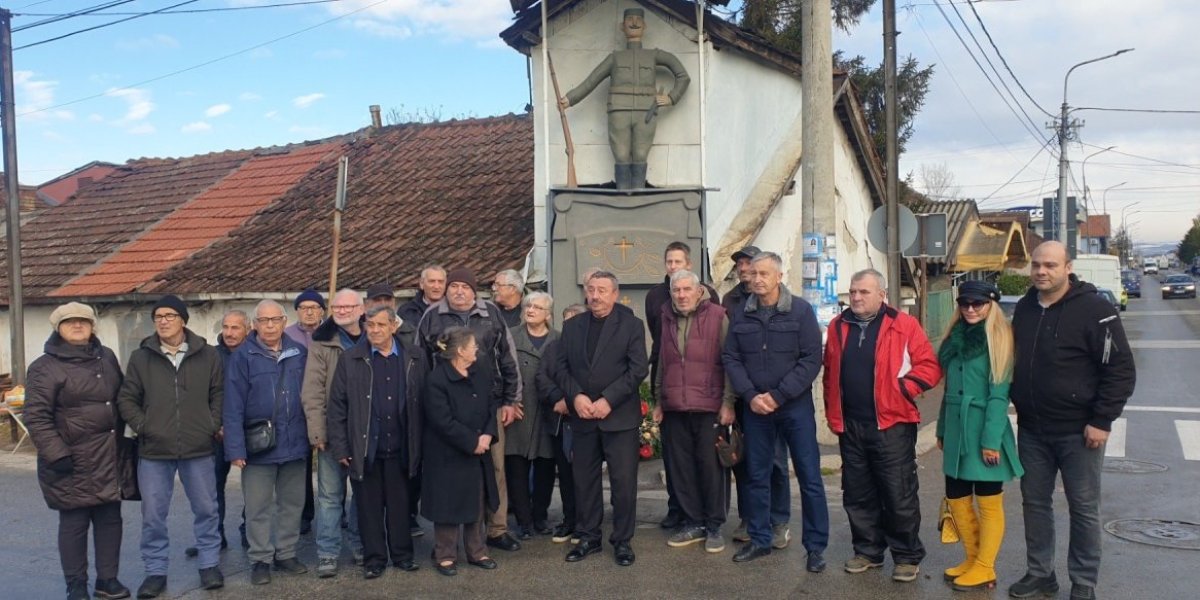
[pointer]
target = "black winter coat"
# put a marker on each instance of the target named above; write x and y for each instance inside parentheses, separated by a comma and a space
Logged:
(1073, 365)
(613, 374)
(348, 414)
(175, 412)
(71, 411)
(457, 411)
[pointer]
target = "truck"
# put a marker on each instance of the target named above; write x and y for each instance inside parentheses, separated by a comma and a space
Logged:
(1102, 271)
(1150, 266)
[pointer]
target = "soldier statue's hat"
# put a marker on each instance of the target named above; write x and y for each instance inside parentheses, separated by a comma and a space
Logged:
(635, 12)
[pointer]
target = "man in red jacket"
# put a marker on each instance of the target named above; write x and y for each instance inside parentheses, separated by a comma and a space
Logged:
(877, 361)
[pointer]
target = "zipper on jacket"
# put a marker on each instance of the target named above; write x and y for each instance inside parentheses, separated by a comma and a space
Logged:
(370, 403)
(1033, 361)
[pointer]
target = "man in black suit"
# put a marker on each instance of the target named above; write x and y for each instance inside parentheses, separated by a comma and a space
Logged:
(601, 363)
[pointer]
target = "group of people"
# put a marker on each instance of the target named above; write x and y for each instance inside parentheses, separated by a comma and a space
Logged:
(463, 410)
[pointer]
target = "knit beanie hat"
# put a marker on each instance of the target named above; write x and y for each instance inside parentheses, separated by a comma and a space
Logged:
(173, 302)
(309, 295)
(461, 275)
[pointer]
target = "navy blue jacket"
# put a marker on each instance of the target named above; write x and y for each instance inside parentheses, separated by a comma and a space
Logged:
(257, 386)
(780, 354)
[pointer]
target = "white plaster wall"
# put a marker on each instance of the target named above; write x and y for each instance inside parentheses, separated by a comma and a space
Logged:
(854, 208)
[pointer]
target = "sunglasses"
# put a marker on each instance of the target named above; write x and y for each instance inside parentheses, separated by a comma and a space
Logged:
(972, 304)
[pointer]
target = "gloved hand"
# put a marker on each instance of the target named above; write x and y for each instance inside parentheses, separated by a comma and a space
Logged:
(63, 466)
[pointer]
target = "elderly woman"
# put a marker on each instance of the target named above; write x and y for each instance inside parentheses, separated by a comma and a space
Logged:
(457, 476)
(72, 416)
(974, 432)
(528, 443)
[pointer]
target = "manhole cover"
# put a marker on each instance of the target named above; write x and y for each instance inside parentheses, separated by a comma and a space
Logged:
(1157, 532)
(1128, 465)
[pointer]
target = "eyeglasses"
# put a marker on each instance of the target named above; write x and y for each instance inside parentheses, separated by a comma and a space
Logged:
(536, 307)
(975, 305)
(166, 317)
(309, 308)
(344, 307)
(270, 320)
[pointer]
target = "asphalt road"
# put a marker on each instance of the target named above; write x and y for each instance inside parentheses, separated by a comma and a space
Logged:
(1166, 339)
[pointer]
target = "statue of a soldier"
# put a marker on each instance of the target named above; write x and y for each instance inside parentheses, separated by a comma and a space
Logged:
(632, 100)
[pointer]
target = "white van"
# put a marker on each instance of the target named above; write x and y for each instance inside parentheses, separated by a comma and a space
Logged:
(1150, 267)
(1102, 271)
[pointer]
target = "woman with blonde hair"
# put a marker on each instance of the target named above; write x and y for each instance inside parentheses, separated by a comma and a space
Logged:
(974, 432)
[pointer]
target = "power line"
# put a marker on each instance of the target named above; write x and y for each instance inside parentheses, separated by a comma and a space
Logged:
(1154, 160)
(1141, 110)
(1005, 62)
(187, 11)
(207, 62)
(1019, 171)
(63, 17)
(101, 26)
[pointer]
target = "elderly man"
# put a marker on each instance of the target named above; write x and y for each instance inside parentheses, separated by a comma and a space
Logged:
(263, 393)
(694, 403)
(772, 356)
(497, 361)
(433, 287)
(877, 361)
(330, 340)
(508, 291)
(601, 361)
(310, 310)
(375, 398)
(1072, 376)
(171, 397)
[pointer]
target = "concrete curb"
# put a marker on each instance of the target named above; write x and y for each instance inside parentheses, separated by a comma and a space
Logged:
(926, 441)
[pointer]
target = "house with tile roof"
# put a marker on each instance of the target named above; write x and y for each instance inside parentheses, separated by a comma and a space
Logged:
(228, 229)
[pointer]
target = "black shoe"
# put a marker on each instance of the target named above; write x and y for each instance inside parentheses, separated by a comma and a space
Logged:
(449, 570)
(260, 574)
(1082, 592)
(291, 565)
(406, 565)
(672, 521)
(484, 563)
(562, 533)
(110, 589)
(305, 527)
(542, 527)
(525, 533)
(505, 542)
(212, 578)
(582, 550)
(750, 552)
(191, 552)
(623, 554)
(1030, 586)
(77, 590)
(373, 571)
(153, 586)
(416, 531)
(815, 562)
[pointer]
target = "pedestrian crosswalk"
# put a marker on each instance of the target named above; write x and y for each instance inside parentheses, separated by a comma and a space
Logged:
(1188, 432)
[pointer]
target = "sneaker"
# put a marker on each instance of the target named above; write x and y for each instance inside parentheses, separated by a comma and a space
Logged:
(714, 542)
(1082, 592)
(327, 567)
(687, 536)
(781, 534)
(110, 589)
(416, 531)
(152, 587)
(77, 589)
(815, 563)
(260, 574)
(860, 564)
(562, 533)
(291, 565)
(740, 534)
(905, 573)
(212, 578)
(357, 555)
(1031, 585)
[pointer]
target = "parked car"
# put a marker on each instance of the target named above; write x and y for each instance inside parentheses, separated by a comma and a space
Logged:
(1133, 287)
(1111, 297)
(1178, 286)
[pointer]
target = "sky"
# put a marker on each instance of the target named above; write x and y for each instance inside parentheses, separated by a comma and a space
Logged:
(182, 84)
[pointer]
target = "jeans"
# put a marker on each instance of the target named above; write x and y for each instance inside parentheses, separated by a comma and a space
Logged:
(156, 478)
(331, 502)
(880, 490)
(781, 487)
(105, 523)
(221, 471)
(274, 500)
(796, 425)
(1044, 456)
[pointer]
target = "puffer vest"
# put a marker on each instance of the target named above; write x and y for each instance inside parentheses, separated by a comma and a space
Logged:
(693, 380)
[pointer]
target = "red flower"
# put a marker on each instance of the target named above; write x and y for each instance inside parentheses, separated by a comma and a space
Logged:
(645, 408)
(646, 451)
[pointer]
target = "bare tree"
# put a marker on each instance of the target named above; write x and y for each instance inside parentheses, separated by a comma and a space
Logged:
(937, 182)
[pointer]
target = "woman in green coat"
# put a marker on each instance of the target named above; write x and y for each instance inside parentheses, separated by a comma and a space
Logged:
(974, 432)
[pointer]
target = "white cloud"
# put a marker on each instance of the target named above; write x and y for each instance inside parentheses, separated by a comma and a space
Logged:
(197, 127)
(141, 129)
(476, 20)
(35, 97)
(307, 100)
(217, 110)
(249, 97)
(158, 41)
(271, 114)
(138, 104)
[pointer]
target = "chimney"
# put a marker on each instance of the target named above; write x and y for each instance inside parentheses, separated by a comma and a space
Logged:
(376, 119)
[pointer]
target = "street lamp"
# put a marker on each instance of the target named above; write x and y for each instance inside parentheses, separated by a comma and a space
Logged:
(1064, 127)
(1087, 191)
(1127, 241)
(1104, 196)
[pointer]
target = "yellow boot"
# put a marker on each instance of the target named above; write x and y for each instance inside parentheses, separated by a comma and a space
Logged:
(963, 511)
(991, 533)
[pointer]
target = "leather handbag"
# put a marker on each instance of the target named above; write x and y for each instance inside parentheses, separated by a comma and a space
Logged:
(729, 447)
(260, 436)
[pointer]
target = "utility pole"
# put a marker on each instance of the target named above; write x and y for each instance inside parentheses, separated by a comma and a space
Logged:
(16, 308)
(892, 186)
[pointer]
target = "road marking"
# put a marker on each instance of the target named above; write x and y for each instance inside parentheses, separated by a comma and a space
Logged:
(1189, 438)
(1158, 313)
(1176, 409)
(1116, 439)
(1165, 344)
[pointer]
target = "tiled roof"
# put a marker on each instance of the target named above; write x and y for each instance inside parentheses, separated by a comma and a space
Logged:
(63, 241)
(459, 193)
(206, 218)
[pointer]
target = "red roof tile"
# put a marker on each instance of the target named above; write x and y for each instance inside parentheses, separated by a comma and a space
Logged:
(198, 223)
